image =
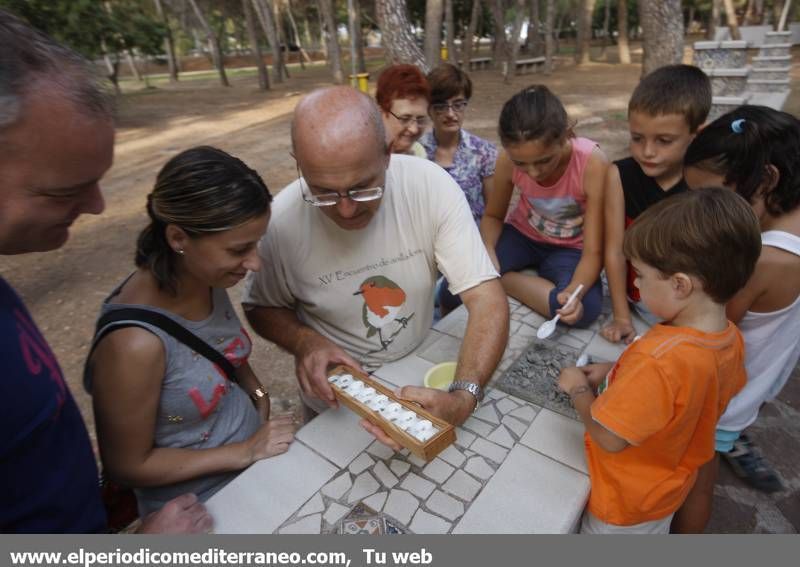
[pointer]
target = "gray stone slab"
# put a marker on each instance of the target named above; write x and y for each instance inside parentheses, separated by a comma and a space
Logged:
(387, 478)
(417, 486)
(307, 525)
(361, 463)
(558, 437)
(525, 413)
(401, 505)
(505, 406)
(313, 506)
(464, 438)
(438, 471)
(443, 349)
(376, 501)
(455, 323)
(335, 512)
(381, 451)
(399, 467)
(364, 485)
(424, 523)
(515, 425)
(267, 493)
(445, 505)
(338, 486)
(491, 451)
(463, 486)
(453, 456)
(416, 461)
(531, 493)
(487, 413)
(479, 468)
(343, 446)
(502, 437)
(495, 394)
(477, 426)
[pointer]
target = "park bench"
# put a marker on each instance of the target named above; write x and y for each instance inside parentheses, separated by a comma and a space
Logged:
(524, 66)
(477, 63)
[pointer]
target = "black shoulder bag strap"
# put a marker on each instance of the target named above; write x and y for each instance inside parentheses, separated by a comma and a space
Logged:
(132, 316)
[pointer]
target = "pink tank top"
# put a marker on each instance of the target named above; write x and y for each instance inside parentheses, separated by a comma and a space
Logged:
(554, 214)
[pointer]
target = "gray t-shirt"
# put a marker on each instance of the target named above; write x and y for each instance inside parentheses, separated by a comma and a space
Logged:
(199, 407)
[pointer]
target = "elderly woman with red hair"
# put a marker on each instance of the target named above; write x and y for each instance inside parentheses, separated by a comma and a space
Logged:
(403, 96)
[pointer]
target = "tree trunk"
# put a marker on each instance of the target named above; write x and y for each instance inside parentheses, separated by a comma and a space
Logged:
(264, 13)
(276, 6)
(519, 14)
(534, 29)
(586, 10)
(549, 40)
(263, 76)
(787, 7)
(396, 33)
(132, 64)
(216, 52)
(662, 28)
(169, 45)
(434, 10)
(323, 36)
(450, 31)
(622, 32)
(361, 64)
(293, 23)
(334, 53)
(500, 46)
(733, 23)
(606, 26)
(714, 20)
(470, 35)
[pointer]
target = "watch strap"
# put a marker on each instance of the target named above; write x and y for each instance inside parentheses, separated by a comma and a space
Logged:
(470, 387)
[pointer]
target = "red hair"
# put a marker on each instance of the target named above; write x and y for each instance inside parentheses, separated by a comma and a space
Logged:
(401, 81)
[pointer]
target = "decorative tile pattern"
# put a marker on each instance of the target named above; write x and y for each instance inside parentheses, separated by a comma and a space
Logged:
(376, 501)
(337, 487)
(361, 463)
(479, 468)
(399, 467)
(453, 456)
(464, 438)
(312, 506)
(489, 450)
(502, 437)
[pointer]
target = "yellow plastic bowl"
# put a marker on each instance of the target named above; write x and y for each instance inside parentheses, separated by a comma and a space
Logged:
(440, 376)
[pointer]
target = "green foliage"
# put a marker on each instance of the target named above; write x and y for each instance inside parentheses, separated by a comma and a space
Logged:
(93, 27)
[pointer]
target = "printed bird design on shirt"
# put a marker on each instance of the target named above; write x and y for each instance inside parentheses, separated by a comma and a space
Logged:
(383, 300)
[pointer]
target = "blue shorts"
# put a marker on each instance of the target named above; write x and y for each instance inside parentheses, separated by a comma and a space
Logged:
(516, 252)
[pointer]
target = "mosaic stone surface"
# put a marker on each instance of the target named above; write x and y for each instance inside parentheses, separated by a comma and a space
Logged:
(534, 376)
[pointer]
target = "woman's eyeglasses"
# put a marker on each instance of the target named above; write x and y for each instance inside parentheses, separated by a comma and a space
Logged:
(407, 119)
(455, 106)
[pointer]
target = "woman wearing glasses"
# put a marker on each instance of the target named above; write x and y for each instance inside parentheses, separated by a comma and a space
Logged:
(172, 416)
(468, 158)
(403, 96)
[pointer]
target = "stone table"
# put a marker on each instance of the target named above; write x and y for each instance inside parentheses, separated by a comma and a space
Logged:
(515, 467)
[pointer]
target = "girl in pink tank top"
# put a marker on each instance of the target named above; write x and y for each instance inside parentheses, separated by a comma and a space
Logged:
(556, 225)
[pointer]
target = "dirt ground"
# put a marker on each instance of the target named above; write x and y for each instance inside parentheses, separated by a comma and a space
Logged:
(64, 288)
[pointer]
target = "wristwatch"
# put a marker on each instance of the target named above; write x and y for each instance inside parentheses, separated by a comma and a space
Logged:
(259, 393)
(470, 387)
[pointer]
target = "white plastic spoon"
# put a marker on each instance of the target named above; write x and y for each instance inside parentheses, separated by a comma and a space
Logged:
(549, 327)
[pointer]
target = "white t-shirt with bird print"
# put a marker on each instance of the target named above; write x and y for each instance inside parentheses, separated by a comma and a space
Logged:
(371, 290)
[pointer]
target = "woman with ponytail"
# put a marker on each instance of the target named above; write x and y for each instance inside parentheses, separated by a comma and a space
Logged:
(755, 151)
(173, 418)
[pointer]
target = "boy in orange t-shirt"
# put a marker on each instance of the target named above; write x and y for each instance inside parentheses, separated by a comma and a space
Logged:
(650, 426)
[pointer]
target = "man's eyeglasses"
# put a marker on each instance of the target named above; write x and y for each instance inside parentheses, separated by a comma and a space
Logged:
(455, 106)
(407, 119)
(332, 198)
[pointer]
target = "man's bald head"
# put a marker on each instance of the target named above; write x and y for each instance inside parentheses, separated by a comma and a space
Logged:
(339, 118)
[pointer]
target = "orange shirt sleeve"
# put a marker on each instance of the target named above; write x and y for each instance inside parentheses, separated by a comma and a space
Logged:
(639, 401)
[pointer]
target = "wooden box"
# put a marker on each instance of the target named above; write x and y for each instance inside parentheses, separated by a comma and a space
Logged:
(423, 446)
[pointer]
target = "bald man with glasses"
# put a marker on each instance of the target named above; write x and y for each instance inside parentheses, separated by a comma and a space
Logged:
(351, 255)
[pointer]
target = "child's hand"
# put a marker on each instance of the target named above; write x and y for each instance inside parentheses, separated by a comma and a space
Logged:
(619, 330)
(572, 378)
(572, 313)
(596, 373)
